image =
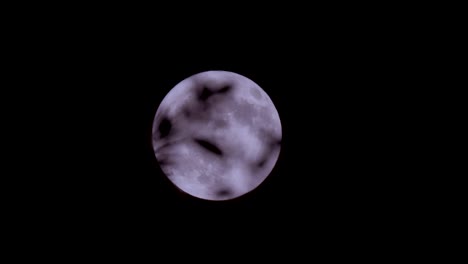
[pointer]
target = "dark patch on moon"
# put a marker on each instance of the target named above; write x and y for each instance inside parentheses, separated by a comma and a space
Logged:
(225, 89)
(261, 163)
(164, 160)
(164, 127)
(223, 192)
(275, 143)
(165, 145)
(209, 146)
(205, 94)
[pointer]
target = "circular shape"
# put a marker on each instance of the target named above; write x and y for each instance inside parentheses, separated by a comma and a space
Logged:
(217, 135)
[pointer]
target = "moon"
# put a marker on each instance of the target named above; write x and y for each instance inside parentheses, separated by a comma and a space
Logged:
(216, 135)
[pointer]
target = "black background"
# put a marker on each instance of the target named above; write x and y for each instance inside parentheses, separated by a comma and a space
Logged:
(333, 82)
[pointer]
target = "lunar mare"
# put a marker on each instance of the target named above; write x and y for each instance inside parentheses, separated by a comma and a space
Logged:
(217, 135)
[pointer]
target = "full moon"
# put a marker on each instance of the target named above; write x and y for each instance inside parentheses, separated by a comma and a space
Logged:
(216, 135)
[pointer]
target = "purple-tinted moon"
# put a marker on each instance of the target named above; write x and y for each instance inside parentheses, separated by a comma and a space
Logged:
(217, 135)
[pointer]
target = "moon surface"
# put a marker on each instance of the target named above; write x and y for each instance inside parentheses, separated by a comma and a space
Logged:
(216, 135)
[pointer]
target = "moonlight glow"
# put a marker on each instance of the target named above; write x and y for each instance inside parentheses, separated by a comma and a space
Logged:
(217, 135)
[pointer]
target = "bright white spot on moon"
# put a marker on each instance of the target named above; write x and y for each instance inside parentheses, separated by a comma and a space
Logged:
(216, 135)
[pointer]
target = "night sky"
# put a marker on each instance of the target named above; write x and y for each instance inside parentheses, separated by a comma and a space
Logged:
(334, 88)
(331, 168)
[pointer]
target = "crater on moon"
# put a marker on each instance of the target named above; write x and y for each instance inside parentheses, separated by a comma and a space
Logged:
(212, 135)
